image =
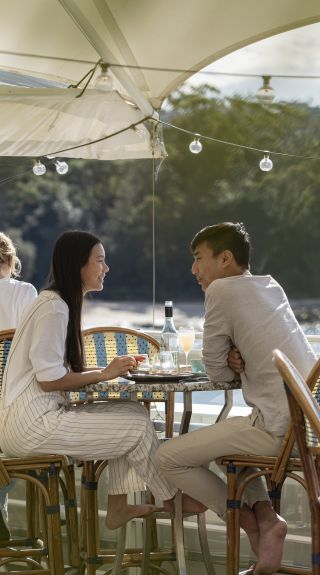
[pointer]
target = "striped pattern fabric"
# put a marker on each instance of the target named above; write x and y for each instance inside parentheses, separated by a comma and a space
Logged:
(311, 438)
(101, 345)
(5, 344)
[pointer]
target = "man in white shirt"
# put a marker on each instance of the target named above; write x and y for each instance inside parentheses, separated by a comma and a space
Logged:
(253, 314)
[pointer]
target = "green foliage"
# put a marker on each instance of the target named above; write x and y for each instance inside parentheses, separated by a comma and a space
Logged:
(280, 209)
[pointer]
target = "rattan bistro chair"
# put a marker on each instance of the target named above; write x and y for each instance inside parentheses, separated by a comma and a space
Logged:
(275, 470)
(101, 345)
(41, 550)
(305, 414)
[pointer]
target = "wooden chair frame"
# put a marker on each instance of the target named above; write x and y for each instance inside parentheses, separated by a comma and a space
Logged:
(120, 557)
(155, 346)
(42, 475)
(275, 470)
(305, 414)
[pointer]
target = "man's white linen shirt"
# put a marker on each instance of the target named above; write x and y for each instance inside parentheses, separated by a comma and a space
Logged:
(253, 313)
(15, 298)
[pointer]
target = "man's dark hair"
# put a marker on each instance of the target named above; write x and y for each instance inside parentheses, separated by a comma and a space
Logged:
(226, 236)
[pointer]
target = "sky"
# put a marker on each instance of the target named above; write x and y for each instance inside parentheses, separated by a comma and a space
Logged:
(296, 53)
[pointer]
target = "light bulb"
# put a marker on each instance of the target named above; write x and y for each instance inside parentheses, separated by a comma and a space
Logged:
(39, 168)
(266, 93)
(195, 147)
(61, 167)
(266, 164)
(104, 80)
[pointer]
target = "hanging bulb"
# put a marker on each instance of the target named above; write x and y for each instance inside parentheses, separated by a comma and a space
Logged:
(61, 167)
(39, 168)
(266, 164)
(104, 80)
(195, 147)
(266, 93)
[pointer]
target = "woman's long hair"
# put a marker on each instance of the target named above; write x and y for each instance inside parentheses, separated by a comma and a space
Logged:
(71, 252)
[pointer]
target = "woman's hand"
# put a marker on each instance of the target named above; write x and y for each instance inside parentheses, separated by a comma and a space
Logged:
(120, 365)
(235, 361)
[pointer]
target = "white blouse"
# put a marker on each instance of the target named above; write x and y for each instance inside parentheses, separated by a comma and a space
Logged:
(15, 298)
(38, 347)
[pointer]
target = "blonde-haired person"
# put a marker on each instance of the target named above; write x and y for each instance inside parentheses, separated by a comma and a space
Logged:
(15, 295)
(15, 298)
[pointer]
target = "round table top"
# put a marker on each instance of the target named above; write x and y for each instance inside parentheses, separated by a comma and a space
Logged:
(182, 385)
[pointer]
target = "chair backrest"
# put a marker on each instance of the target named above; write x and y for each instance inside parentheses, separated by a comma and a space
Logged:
(102, 344)
(5, 344)
(279, 471)
(304, 408)
(303, 404)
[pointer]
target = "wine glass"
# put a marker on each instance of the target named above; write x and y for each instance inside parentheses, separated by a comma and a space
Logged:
(186, 340)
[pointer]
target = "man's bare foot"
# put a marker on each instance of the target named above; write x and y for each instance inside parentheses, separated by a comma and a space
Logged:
(248, 523)
(189, 505)
(119, 512)
(273, 530)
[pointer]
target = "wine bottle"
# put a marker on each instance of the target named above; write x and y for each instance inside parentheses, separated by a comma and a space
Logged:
(169, 337)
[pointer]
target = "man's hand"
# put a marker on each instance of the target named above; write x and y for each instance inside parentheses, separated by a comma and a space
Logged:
(235, 361)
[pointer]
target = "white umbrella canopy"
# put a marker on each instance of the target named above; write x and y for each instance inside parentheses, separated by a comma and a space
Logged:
(42, 122)
(152, 47)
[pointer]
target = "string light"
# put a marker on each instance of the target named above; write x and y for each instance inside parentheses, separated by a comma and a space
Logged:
(104, 81)
(39, 168)
(234, 145)
(266, 164)
(61, 167)
(266, 93)
(196, 147)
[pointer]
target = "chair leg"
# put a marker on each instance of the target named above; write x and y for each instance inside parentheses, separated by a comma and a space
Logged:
(53, 514)
(315, 537)
(203, 538)
(120, 550)
(89, 521)
(31, 502)
(71, 511)
(178, 527)
(232, 551)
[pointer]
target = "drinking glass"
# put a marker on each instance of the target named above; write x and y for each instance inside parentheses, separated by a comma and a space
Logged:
(156, 363)
(163, 361)
(186, 340)
(143, 364)
(166, 360)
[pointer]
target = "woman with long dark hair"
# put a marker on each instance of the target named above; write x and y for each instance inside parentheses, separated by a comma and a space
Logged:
(46, 359)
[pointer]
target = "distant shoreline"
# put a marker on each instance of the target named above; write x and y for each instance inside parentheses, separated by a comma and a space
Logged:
(140, 314)
(306, 310)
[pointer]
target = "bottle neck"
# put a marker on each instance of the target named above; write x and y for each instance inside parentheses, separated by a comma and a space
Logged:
(168, 325)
